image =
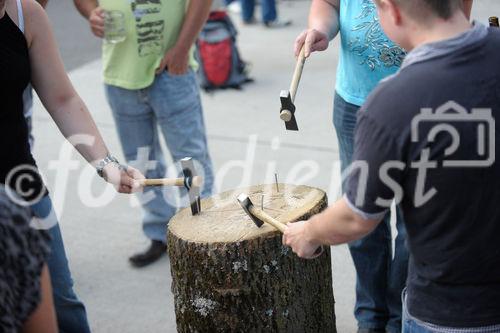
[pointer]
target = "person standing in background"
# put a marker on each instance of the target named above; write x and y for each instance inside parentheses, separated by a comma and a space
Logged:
(269, 13)
(367, 56)
(150, 84)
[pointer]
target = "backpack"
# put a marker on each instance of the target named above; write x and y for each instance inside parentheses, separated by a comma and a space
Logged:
(220, 63)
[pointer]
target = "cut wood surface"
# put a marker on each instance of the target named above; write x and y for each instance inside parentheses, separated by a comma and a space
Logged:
(223, 220)
(228, 275)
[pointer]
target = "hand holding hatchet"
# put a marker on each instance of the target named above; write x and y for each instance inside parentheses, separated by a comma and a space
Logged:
(308, 41)
(259, 217)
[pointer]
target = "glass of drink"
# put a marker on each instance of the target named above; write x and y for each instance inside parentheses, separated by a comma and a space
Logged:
(114, 26)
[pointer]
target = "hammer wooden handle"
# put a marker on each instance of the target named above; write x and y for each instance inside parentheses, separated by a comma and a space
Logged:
(197, 181)
(298, 73)
(261, 215)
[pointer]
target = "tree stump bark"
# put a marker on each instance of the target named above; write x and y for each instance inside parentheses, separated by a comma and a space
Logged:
(228, 275)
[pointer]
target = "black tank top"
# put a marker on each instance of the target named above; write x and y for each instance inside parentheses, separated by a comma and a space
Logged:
(17, 166)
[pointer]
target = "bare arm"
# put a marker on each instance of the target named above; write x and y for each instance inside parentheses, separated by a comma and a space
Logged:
(85, 7)
(43, 3)
(324, 25)
(55, 89)
(43, 319)
(324, 17)
(93, 13)
(338, 224)
(57, 94)
(176, 59)
(195, 19)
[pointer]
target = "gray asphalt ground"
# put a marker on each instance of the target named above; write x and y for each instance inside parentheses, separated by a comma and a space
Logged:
(99, 238)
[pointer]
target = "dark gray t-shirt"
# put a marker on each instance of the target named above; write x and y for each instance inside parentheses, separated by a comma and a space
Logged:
(427, 136)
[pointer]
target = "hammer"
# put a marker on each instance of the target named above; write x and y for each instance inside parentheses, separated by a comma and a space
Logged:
(191, 182)
(287, 97)
(259, 217)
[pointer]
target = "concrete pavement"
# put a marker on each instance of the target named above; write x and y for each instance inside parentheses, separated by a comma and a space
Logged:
(240, 124)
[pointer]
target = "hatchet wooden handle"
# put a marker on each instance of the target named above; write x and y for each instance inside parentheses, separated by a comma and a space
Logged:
(298, 73)
(286, 115)
(197, 181)
(261, 215)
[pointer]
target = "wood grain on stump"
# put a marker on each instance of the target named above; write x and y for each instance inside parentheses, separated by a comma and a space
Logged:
(228, 275)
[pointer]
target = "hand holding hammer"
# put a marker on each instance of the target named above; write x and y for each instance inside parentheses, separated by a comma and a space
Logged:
(259, 217)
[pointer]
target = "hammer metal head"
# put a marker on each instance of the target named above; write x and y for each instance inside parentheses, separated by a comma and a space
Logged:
(246, 203)
(287, 104)
(193, 191)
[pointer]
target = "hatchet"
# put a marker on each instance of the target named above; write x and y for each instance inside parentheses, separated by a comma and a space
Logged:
(191, 182)
(287, 97)
(259, 217)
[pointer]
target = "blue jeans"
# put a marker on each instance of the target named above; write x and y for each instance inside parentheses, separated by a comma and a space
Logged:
(71, 315)
(171, 104)
(268, 10)
(380, 278)
(410, 324)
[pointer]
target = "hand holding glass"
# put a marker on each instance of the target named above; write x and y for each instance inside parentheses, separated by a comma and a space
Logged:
(114, 26)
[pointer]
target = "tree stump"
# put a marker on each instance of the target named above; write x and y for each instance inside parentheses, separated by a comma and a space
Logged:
(228, 275)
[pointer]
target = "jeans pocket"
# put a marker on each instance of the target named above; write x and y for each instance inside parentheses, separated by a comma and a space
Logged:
(177, 77)
(179, 92)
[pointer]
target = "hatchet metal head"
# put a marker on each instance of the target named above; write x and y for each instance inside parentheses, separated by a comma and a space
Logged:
(246, 203)
(192, 187)
(287, 111)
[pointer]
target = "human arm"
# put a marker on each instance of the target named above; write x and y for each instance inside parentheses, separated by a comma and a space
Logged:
(176, 59)
(324, 25)
(43, 319)
(90, 10)
(43, 3)
(64, 105)
(338, 224)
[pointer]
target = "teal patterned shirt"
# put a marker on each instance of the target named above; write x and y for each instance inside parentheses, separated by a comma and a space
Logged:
(367, 55)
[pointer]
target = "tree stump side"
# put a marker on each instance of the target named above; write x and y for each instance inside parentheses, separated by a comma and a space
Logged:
(250, 285)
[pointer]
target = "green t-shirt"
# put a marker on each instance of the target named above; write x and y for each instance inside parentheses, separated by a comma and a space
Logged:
(152, 27)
